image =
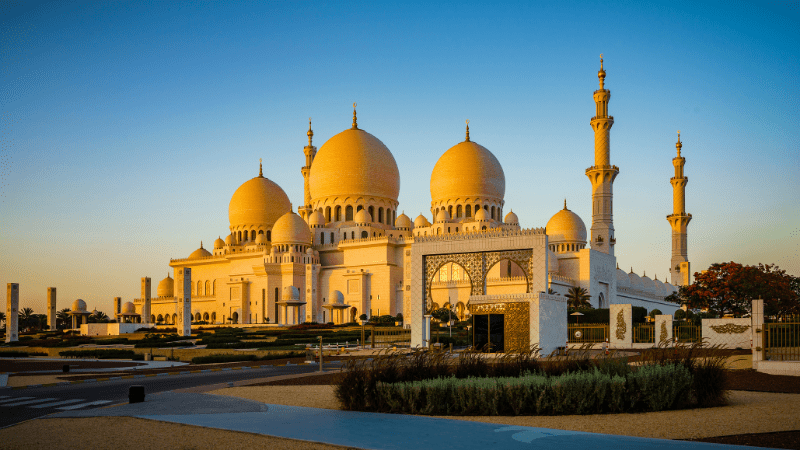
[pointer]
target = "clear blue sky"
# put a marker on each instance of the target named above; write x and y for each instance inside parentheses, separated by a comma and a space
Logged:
(127, 126)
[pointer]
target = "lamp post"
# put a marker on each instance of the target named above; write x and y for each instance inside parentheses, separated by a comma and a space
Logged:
(320, 352)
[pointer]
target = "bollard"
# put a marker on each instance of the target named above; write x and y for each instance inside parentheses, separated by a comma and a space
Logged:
(65, 368)
(136, 394)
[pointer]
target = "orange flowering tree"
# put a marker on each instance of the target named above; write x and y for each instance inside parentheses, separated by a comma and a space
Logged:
(729, 288)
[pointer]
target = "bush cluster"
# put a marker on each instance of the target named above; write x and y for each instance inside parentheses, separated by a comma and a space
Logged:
(14, 354)
(236, 358)
(110, 353)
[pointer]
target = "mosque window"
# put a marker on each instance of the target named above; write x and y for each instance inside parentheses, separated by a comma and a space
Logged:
(322, 239)
(269, 235)
(443, 273)
(328, 214)
(253, 235)
(450, 210)
(458, 211)
(456, 229)
(448, 229)
(483, 228)
(493, 216)
(380, 214)
(486, 208)
(332, 238)
(338, 214)
(240, 236)
(456, 275)
(359, 208)
(364, 234)
(260, 231)
(208, 287)
(371, 211)
(352, 235)
(394, 216)
(348, 213)
(373, 234)
(468, 210)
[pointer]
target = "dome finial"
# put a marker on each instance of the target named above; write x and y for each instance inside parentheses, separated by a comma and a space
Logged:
(260, 171)
(310, 132)
(355, 122)
(602, 73)
(631, 269)
(617, 266)
(201, 244)
(679, 145)
(467, 140)
(565, 203)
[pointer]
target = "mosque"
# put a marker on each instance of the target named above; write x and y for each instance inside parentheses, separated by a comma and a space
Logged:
(347, 251)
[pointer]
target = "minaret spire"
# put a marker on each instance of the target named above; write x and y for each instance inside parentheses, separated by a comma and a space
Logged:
(467, 139)
(602, 173)
(679, 222)
(260, 169)
(309, 151)
(355, 120)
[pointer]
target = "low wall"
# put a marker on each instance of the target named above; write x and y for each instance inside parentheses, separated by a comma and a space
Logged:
(184, 355)
(727, 332)
(111, 329)
(778, 367)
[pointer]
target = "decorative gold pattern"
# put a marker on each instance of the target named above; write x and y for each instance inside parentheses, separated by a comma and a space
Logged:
(516, 323)
(730, 328)
(622, 327)
(664, 336)
(477, 265)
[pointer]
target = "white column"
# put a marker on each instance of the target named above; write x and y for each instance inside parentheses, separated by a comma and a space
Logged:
(51, 308)
(146, 292)
(620, 326)
(426, 332)
(663, 328)
(757, 330)
(185, 309)
(12, 312)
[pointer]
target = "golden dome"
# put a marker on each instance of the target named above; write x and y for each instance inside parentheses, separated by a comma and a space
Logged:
(354, 163)
(258, 202)
(481, 214)
(317, 219)
(219, 243)
(229, 239)
(421, 221)
(336, 298)
(79, 305)
(403, 221)
(565, 225)
(128, 308)
(291, 294)
(363, 217)
(261, 239)
(291, 229)
(442, 216)
(467, 170)
(200, 252)
(166, 287)
(511, 218)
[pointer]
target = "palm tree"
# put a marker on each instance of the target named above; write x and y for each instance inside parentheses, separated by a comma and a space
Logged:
(578, 297)
(25, 318)
(2, 317)
(98, 317)
(63, 319)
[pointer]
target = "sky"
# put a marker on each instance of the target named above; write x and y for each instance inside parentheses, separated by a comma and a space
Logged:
(125, 127)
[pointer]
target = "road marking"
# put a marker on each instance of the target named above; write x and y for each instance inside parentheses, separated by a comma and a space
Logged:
(11, 400)
(27, 402)
(81, 405)
(63, 402)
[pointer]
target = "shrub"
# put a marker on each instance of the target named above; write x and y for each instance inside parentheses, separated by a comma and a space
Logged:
(14, 354)
(224, 358)
(111, 353)
(111, 341)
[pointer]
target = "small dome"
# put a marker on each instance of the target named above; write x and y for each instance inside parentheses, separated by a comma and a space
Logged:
(403, 221)
(647, 284)
(511, 219)
(636, 282)
(336, 298)
(481, 214)
(229, 239)
(363, 216)
(317, 219)
(565, 225)
(623, 280)
(467, 170)
(79, 305)
(258, 203)
(218, 244)
(291, 294)
(128, 308)
(291, 229)
(200, 252)
(261, 239)
(660, 288)
(166, 287)
(354, 163)
(421, 221)
(442, 215)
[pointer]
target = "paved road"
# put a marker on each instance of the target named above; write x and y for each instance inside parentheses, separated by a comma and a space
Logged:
(18, 405)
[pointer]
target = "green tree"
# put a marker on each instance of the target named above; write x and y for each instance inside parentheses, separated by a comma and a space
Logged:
(98, 317)
(63, 319)
(729, 288)
(3, 318)
(25, 318)
(578, 297)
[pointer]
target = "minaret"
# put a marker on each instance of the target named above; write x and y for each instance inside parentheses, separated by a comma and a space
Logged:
(310, 151)
(679, 221)
(602, 173)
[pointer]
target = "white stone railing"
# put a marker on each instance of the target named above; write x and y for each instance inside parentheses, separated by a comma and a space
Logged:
(204, 258)
(507, 280)
(481, 234)
(450, 283)
(556, 277)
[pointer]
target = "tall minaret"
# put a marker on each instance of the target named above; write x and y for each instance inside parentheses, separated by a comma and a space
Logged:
(602, 173)
(310, 151)
(679, 221)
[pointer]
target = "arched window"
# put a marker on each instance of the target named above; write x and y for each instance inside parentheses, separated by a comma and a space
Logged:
(205, 317)
(208, 287)
(458, 211)
(450, 211)
(456, 229)
(327, 214)
(371, 211)
(338, 214)
(486, 208)
(159, 319)
(364, 234)
(240, 236)
(269, 235)
(253, 235)
(448, 229)
(468, 210)
(493, 216)
(322, 239)
(332, 239)
(213, 316)
(380, 214)
(359, 208)
(260, 231)
(483, 228)
(348, 213)
(394, 217)
(352, 235)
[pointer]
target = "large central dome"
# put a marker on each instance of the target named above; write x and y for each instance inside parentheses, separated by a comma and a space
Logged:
(468, 169)
(354, 163)
(257, 204)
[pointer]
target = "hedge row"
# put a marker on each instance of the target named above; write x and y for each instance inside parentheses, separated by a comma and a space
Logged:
(112, 353)
(236, 358)
(650, 388)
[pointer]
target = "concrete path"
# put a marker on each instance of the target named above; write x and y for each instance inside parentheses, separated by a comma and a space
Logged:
(368, 430)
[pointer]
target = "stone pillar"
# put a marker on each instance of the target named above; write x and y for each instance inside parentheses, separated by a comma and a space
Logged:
(757, 330)
(620, 326)
(145, 314)
(185, 311)
(12, 312)
(663, 329)
(427, 331)
(118, 309)
(51, 308)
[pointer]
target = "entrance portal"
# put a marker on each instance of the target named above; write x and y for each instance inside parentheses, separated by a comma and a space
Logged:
(489, 332)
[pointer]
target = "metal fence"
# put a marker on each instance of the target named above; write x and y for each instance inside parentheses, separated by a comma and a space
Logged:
(687, 333)
(390, 337)
(782, 341)
(585, 333)
(644, 333)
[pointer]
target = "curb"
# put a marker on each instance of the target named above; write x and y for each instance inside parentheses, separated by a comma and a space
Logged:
(149, 375)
